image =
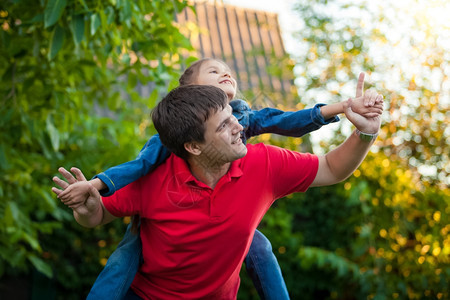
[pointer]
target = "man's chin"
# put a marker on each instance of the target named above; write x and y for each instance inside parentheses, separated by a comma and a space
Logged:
(241, 152)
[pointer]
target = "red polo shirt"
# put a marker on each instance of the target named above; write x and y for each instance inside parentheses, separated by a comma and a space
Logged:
(194, 238)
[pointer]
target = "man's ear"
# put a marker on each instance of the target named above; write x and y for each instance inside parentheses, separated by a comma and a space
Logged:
(193, 148)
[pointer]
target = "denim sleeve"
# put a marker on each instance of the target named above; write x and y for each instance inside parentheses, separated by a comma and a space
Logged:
(152, 155)
(289, 123)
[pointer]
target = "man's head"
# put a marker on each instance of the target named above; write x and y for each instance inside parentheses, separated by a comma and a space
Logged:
(182, 115)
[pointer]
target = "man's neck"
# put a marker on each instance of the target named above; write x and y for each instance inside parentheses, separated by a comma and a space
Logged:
(207, 173)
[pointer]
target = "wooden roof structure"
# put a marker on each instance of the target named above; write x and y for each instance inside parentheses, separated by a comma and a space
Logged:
(250, 42)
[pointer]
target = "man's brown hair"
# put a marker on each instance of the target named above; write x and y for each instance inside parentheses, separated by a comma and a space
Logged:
(181, 115)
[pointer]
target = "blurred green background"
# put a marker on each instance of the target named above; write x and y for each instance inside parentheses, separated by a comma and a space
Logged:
(69, 71)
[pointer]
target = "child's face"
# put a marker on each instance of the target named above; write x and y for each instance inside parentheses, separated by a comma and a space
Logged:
(215, 73)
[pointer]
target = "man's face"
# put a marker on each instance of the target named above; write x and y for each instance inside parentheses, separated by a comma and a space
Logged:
(217, 74)
(223, 142)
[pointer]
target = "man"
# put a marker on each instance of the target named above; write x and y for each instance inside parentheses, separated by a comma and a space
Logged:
(201, 207)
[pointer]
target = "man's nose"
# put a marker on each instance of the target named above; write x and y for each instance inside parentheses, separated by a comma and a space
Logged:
(237, 126)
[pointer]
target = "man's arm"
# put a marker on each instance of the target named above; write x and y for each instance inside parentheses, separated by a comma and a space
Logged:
(91, 212)
(340, 163)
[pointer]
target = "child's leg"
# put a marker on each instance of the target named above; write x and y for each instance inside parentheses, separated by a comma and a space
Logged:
(118, 274)
(263, 268)
(130, 295)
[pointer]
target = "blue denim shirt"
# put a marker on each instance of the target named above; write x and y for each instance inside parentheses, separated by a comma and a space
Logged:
(255, 122)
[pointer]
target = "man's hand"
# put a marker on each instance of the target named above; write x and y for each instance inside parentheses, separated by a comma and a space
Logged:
(365, 124)
(74, 193)
(87, 208)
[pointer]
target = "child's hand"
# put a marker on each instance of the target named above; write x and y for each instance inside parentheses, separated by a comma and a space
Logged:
(76, 192)
(370, 105)
(91, 205)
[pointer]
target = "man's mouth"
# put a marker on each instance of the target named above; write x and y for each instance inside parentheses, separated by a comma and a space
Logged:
(237, 141)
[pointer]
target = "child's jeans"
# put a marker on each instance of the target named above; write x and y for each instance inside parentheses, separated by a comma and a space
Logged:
(118, 274)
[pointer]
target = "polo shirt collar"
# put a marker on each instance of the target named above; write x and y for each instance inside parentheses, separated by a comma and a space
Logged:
(184, 175)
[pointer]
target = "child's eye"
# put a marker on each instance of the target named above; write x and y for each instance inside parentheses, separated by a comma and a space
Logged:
(213, 71)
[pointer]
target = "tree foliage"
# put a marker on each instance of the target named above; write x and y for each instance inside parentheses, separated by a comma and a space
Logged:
(72, 73)
(73, 77)
(383, 233)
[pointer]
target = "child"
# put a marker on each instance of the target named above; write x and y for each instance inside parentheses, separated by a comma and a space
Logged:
(116, 278)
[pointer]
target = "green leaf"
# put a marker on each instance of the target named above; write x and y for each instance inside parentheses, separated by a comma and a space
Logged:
(125, 13)
(152, 99)
(33, 242)
(84, 5)
(41, 266)
(53, 11)
(48, 200)
(126, 59)
(138, 20)
(3, 161)
(14, 211)
(78, 28)
(95, 23)
(114, 101)
(52, 133)
(56, 42)
(103, 19)
(37, 18)
(132, 80)
(8, 218)
(109, 15)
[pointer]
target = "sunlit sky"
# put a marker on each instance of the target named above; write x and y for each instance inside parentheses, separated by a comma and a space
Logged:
(434, 13)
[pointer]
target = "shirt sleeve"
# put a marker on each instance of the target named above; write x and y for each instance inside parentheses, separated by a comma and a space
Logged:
(152, 155)
(287, 123)
(290, 171)
(126, 201)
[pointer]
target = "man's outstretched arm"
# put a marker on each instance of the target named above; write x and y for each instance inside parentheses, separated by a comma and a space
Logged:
(338, 164)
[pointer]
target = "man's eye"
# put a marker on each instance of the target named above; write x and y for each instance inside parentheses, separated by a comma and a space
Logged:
(224, 124)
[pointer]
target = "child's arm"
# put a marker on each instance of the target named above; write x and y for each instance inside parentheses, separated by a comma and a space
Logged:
(271, 120)
(359, 105)
(108, 182)
(299, 123)
(152, 155)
